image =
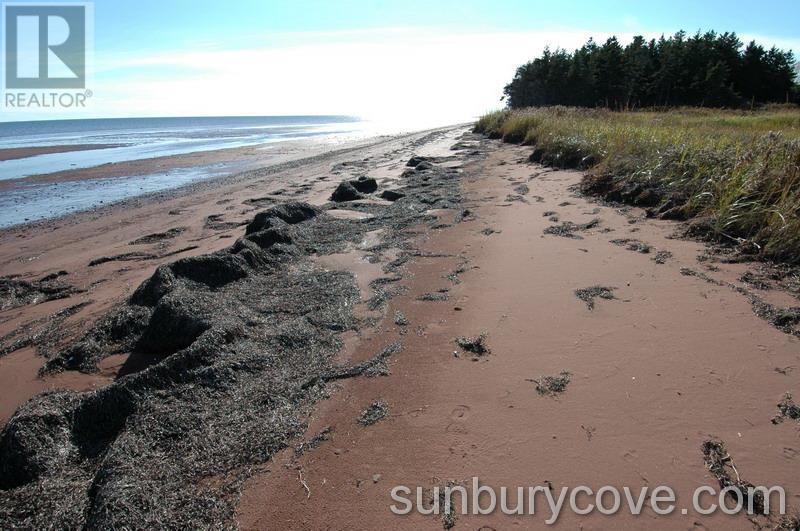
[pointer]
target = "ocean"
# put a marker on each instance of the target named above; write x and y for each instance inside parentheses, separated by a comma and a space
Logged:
(144, 138)
(135, 139)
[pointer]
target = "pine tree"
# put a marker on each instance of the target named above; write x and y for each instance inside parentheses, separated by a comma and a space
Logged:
(705, 69)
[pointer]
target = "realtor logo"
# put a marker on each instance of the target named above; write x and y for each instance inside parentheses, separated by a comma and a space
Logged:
(45, 46)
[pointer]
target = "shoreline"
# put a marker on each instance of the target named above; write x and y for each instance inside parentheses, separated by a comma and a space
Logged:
(249, 156)
(293, 153)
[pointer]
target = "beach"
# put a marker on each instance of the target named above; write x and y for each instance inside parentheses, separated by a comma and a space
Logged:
(210, 215)
(487, 320)
(49, 169)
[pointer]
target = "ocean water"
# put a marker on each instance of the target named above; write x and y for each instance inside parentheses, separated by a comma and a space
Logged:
(44, 201)
(144, 138)
(137, 139)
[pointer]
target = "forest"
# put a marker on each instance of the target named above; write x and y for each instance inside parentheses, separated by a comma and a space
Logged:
(704, 70)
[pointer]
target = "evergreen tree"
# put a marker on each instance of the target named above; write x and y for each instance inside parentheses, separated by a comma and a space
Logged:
(705, 69)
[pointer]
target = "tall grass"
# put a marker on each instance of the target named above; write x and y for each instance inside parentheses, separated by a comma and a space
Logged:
(736, 172)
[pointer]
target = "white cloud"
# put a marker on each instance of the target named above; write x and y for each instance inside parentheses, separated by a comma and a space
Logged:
(403, 75)
(411, 76)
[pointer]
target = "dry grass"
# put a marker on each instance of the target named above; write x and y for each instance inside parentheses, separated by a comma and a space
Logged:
(737, 170)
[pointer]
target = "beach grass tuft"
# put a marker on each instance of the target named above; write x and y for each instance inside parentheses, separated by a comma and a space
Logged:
(736, 173)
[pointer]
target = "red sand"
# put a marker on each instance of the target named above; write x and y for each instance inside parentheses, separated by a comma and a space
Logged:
(654, 374)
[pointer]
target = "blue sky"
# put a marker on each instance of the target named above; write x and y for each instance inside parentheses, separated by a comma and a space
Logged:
(396, 59)
(154, 23)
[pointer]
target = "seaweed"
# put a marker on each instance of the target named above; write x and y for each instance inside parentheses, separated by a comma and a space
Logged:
(376, 411)
(588, 295)
(784, 319)
(552, 385)
(632, 245)
(46, 334)
(316, 440)
(567, 229)
(158, 236)
(474, 345)
(433, 297)
(661, 257)
(400, 319)
(787, 409)
(720, 464)
(15, 292)
(228, 353)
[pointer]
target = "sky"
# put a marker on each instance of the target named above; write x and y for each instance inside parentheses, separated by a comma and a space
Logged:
(421, 62)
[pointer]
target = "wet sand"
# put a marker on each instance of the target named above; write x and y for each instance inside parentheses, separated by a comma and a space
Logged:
(670, 362)
(241, 158)
(23, 152)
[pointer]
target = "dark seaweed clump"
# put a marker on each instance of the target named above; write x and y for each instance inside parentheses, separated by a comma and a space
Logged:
(354, 189)
(46, 334)
(400, 319)
(632, 245)
(568, 229)
(376, 411)
(720, 464)
(662, 257)
(552, 385)
(784, 319)
(433, 297)
(588, 295)
(159, 236)
(15, 292)
(787, 409)
(474, 345)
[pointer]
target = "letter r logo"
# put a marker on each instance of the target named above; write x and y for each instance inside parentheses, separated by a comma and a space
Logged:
(45, 46)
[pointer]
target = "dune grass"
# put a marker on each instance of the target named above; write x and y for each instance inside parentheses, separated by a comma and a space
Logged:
(737, 173)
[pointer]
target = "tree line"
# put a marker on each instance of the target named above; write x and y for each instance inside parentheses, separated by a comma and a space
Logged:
(706, 69)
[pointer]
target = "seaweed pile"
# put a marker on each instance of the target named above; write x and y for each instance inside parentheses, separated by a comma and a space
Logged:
(16, 292)
(553, 385)
(632, 244)
(567, 229)
(376, 412)
(787, 320)
(45, 334)
(232, 348)
(474, 345)
(761, 515)
(588, 295)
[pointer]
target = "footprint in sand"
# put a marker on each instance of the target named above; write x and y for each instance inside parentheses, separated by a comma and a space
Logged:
(459, 415)
(461, 412)
(456, 427)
